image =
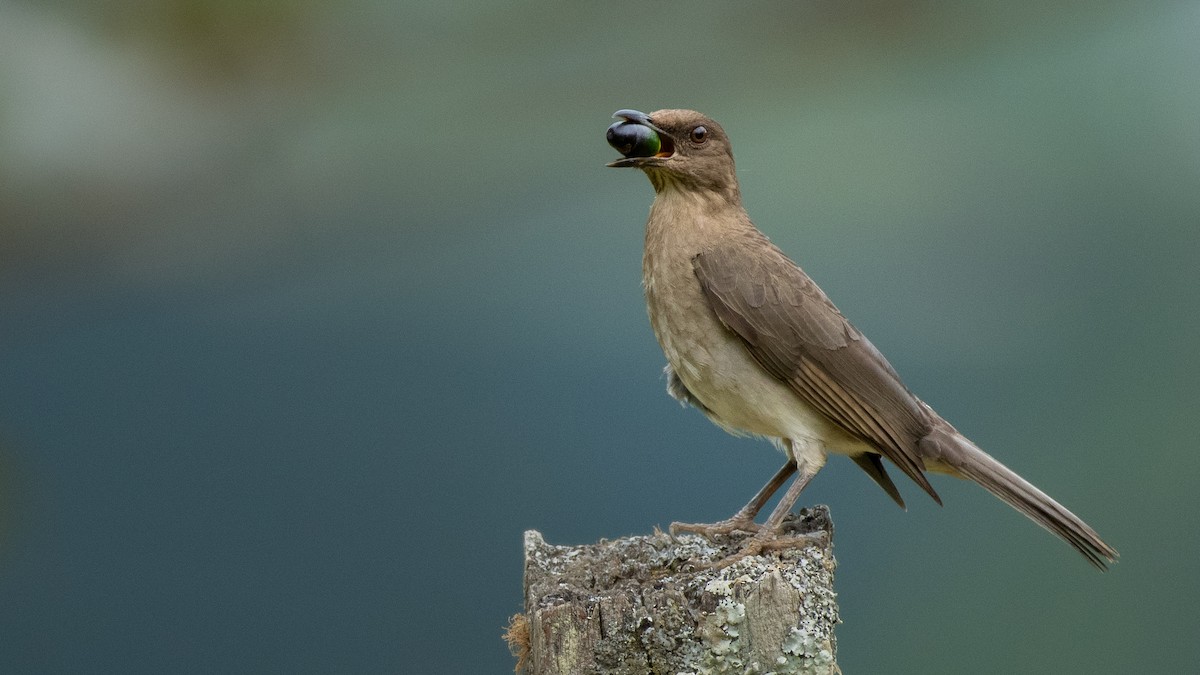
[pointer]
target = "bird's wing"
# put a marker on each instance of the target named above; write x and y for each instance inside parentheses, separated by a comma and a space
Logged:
(794, 331)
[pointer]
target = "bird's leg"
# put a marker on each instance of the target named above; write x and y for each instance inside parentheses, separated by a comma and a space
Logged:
(768, 538)
(744, 519)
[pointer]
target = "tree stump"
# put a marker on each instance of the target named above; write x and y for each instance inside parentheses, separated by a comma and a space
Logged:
(640, 605)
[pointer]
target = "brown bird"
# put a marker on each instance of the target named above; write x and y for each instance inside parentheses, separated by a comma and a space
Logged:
(753, 343)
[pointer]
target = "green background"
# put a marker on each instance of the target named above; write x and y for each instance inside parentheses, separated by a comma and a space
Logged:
(308, 310)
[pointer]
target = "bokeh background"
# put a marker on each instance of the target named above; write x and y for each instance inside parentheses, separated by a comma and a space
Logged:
(308, 310)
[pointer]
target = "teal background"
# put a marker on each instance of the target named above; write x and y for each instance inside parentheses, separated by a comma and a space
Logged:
(308, 310)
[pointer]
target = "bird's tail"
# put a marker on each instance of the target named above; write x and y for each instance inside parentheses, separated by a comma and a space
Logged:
(946, 446)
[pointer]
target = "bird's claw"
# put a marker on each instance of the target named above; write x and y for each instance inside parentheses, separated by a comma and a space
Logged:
(763, 539)
(724, 527)
(767, 540)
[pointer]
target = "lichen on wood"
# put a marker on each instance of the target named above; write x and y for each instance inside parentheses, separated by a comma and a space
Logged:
(649, 604)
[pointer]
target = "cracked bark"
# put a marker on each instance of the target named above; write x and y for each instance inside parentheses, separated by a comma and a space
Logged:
(639, 605)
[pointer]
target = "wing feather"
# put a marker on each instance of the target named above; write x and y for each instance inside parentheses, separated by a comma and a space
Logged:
(793, 330)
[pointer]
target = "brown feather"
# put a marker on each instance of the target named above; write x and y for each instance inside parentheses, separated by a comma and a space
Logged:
(793, 330)
(950, 448)
(870, 462)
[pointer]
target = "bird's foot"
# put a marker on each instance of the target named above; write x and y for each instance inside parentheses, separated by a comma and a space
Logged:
(769, 540)
(710, 530)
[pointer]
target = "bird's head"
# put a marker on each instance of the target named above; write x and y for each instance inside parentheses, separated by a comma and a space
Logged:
(675, 147)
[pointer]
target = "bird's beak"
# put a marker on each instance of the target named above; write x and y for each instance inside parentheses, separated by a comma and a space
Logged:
(637, 117)
(665, 144)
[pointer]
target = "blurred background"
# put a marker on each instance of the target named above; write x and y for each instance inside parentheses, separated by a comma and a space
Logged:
(308, 310)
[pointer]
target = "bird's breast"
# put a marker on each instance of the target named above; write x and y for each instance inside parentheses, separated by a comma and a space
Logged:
(710, 360)
(691, 336)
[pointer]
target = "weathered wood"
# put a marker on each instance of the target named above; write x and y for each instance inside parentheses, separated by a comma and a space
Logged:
(639, 605)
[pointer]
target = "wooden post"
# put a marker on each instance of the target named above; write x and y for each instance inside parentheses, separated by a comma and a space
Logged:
(639, 605)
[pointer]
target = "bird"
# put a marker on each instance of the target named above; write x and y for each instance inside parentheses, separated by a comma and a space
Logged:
(754, 344)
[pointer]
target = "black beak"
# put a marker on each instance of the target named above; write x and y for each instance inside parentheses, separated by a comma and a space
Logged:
(637, 117)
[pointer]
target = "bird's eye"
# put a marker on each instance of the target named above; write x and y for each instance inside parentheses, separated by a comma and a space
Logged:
(699, 135)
